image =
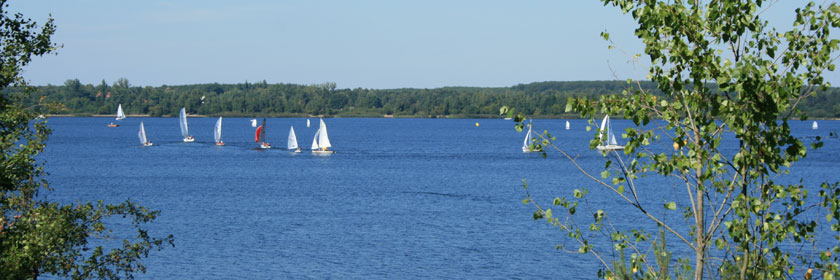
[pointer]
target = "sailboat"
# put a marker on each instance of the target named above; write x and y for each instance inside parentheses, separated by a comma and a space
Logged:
(292, 144)
(608, 142)
(142, 135)
(567, 125)
(321, 142)
(307, 122)
(259, 137)
(217, 133)
(253, 122)
(526, 145)
(120, 116)
(814, 125)
(185, 130)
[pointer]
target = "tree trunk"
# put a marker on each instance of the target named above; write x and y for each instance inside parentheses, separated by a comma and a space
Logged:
(700, 238)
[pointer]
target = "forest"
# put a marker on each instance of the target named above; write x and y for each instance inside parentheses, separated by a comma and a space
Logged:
(539, 99)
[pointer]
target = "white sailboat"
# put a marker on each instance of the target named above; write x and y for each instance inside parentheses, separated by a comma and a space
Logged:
(253, 122)
(526, 145)
(120, 113)
(292, 144)
(608, 142)
(185, 130)
(217, 133)
(567, 125)
(814, 125)
(321, 142)
(307, 122)
(259, 137)
(142, 135)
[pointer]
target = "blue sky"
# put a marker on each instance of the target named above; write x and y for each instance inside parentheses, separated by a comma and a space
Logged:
(368, 44)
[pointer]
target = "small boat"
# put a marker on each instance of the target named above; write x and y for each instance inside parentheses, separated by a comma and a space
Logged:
(259, 137)
(185, 130)
(253, 122)
(814, 125)
(113, 125)
(567, 125)
(608, 142)
(292, 144)
(507, 119)
(217, 133)
(142, 135)
(307, 122)
(321, 142)
(526, 146)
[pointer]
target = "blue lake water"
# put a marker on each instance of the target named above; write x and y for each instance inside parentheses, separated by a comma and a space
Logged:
(400, 198)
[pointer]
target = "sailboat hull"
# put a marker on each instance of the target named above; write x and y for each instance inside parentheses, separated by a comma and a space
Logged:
(189, 139)
(610, 147)
(265, 146)
(147, 144)
(322, 152)
(220, 143)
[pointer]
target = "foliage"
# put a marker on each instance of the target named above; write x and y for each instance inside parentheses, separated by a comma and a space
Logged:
(545, 99)
(37, 236)
(741, 222)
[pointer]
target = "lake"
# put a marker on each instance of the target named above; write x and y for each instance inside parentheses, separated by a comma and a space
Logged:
(400, 198)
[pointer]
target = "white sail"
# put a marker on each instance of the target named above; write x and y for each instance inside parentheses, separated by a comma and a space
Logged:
(307, 122)
(604, 124)
(292, 144)
(142, 134)
(315, 140)
(323, 139)
(185, 131)
(567, 125)
(120, 113)
(217, 131)
(526, 145)
(253, 122)
(814, 125)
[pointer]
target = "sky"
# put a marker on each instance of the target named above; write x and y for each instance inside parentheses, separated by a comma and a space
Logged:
(356, 44)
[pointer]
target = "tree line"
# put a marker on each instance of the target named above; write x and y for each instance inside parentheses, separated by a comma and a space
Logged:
(542, 99)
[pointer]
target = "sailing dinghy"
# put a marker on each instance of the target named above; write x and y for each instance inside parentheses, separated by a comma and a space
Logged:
(814, 125)
(185, 130)
(608, 142)
(526, 146)
(292, 144)
(321, 142)
(259, 137)
(567, 125)
(217, 133)
(142, 135)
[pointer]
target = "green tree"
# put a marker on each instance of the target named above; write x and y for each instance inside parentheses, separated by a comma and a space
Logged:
(37, 236)
(719, 68)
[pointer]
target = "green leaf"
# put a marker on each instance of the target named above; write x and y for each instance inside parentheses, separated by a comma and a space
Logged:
(578, 193)
(671, 205)
(605, 174)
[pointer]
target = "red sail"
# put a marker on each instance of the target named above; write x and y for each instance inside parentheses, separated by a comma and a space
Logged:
(257, 136)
